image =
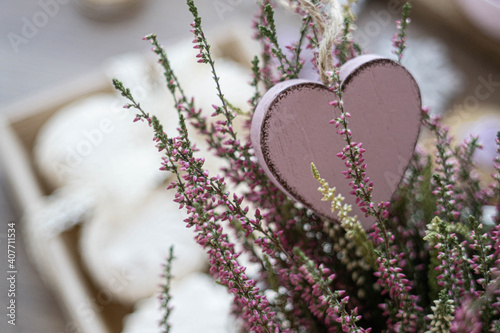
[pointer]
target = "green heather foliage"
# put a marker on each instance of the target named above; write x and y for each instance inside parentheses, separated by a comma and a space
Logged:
(428, 263)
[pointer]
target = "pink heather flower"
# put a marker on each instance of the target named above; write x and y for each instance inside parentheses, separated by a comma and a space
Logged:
(323, 291)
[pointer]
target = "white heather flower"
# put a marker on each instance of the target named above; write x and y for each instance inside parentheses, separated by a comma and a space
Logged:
(442, 316)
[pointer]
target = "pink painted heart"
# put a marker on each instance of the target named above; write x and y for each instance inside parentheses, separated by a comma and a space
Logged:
(291, 129)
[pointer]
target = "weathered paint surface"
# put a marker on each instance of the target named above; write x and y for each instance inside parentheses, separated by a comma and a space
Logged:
(291, 129)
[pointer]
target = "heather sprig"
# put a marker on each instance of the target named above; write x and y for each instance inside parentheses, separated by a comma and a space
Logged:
(413, 206)
(493, 289)
(454, 275)
(463, 273)
(257, 77)
(496, 176)
(473, 196)
(482, 259)
(352, 154)
(199, 40)
(266, 53)
(404, 315)
(350, 223)
(482, 263)
(205, 56)
(298, 62)
(443, 314)
(445, 199)
(399, 39)
(171, 79)
(289, 68)
(186, 107)
(270, 32)
(345, 46)
(445, 177)
(201, 195)
(165, 296)
(402, 306)
(335, 300)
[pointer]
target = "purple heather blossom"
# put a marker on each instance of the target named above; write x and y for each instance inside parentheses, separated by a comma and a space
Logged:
(327, 278)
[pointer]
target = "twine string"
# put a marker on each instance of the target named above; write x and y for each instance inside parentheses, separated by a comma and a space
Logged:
(328, 18)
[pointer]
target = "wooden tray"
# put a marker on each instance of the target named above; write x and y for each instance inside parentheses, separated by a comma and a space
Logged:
(56, 257)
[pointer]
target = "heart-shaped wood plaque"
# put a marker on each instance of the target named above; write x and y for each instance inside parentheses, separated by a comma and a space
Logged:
(290, 129)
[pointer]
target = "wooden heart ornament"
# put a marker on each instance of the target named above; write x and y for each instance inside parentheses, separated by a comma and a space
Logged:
(290, 129)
